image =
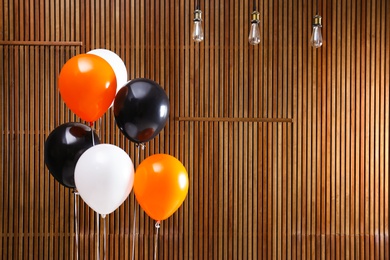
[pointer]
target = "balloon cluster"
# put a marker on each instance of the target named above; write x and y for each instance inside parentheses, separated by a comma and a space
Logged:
(103, 174)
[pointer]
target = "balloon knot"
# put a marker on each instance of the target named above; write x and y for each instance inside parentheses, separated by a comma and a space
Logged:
(157, 224)
(90, 124)
(142, 145)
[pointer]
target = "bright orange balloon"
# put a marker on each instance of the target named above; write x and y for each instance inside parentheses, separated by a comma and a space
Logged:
(160, 185)
(87, 85)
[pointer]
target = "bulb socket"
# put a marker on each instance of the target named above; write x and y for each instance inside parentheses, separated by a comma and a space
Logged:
(317, 21)
(197, 15)
(255, 17)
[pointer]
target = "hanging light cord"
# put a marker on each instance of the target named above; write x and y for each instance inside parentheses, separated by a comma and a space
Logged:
(316, 7)
(197, 6)
(254, 5)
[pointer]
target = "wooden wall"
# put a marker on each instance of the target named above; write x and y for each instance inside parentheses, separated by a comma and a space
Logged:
(286, 146)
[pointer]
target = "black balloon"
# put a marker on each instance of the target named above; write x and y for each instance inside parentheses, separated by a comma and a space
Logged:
(141, 109)
(63, 148)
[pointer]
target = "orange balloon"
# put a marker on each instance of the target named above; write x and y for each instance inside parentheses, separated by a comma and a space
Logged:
(87, 84)
(160, 185)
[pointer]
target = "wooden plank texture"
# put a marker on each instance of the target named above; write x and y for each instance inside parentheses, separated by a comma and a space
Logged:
(286, 146)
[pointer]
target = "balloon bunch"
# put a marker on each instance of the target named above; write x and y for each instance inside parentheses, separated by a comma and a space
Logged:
(103, 174)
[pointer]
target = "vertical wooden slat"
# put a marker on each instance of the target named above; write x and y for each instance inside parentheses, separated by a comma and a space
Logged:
(344, 156)
(323, 81)
(368, 199)
(381, 137)
(354, 135)
(4, 156)
(348, 194)
(4, 139)
(376, 131)
(386, 124)
(372, 115)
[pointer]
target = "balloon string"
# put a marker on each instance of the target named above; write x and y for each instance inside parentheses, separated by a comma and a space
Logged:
(135, 200)
(104, 237)
(134, 218)
(76, 221)
(98, 238)
(100, 125)
(142, 145)
(135, 208)
(156, 239)
(93, 137)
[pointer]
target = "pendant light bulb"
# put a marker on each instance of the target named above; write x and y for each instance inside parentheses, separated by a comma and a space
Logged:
(197, 31)
(254, 33)
(316, 36)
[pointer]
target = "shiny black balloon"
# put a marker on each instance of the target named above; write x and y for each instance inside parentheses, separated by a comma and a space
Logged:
(141, 109)
(63, 148)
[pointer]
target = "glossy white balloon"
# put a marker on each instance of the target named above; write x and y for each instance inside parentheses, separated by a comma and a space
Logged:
(104, 177)
(116, 63)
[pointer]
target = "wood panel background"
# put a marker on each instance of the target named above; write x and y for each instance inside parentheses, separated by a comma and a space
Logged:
(286, 146)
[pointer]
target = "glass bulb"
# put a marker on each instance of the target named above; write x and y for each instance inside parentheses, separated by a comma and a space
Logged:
(316, 37)
(254, 34)
(197, 32)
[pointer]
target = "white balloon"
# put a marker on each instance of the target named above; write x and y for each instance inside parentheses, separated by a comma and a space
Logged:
(104, 177)
(116, 63)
